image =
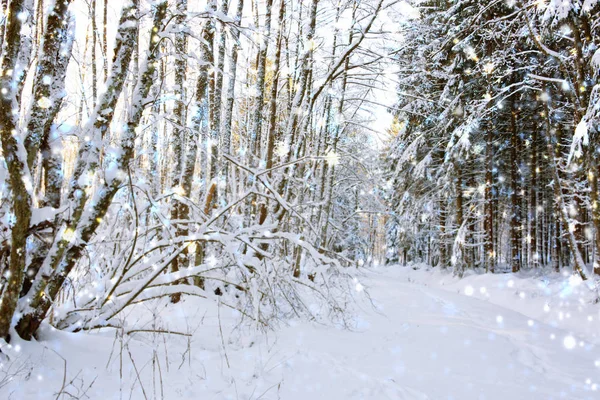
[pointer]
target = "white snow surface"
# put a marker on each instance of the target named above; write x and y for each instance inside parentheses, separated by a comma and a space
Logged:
(416, 334)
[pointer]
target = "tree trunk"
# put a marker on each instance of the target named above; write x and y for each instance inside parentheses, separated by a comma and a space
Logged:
(224, 9)
(255, 130)
(17, 168)
(230, 97)
(515, 213)
(179, 129)
(488, 221)
(73, 237)
(442, 236)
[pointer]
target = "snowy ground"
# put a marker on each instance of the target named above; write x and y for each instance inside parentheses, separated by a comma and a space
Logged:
(426, 335)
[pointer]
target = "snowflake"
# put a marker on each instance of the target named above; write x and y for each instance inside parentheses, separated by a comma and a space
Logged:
(332, 158)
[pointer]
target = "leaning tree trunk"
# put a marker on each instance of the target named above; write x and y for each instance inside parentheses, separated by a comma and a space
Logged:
(49, 79)
(48, 94)
(73, 237)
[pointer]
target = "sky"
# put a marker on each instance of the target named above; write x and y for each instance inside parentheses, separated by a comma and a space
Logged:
(383, 96)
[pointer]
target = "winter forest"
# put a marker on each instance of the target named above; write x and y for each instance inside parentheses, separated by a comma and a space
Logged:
(299, 199)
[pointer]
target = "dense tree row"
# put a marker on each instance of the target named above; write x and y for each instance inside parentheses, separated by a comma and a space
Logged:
(494, 160)
(203, 148)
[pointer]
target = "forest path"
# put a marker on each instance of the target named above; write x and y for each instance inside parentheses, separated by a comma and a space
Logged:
(419, 337)
(428, 343)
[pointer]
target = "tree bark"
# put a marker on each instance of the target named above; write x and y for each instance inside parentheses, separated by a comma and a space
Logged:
(230, 97)
(515, 213)
(71, 240)
(17, 168)
(179, 128)
(255, 130)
